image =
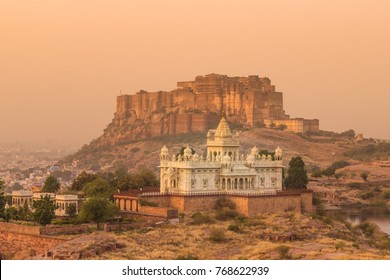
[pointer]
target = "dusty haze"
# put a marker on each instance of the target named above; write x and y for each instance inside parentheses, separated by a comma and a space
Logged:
(62, 63)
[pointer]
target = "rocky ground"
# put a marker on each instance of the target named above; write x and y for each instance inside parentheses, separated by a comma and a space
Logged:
(271, 236)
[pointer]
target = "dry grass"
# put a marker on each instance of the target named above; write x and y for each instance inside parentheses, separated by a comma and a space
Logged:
(257, 239)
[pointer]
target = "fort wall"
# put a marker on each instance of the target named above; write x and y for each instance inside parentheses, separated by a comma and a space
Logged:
(194, 106)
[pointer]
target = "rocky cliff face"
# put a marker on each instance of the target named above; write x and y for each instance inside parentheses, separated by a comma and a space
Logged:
(194, 106)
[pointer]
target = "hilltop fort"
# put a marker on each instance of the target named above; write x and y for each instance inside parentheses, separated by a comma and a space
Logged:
(196, 106)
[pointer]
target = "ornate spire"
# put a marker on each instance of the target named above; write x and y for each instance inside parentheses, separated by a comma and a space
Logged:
(223, 129)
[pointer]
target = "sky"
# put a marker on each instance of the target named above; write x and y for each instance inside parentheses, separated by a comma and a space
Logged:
(62, 63)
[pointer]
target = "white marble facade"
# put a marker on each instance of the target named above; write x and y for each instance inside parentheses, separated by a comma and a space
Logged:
(223, 170)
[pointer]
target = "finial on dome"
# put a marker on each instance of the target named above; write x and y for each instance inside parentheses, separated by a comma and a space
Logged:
(223, 114)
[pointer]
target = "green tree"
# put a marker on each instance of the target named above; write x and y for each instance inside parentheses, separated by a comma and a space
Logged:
(44, 210)
(98, 209)
(296, 174)
(2, 186)
(51, 185)
(2, 199)
(144, 178)
(81, 180)
(11, 213)
(98, 187)
(2, 206)
(25, 212)
(71, 210)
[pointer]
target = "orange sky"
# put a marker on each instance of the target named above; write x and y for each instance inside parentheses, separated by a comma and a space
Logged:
(62, 63)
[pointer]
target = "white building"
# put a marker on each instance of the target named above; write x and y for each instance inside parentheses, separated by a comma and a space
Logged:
(63, 202)
(19, 198)
(224, 170)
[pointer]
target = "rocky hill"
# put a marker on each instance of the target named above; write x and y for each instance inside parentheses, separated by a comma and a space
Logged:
(318, 151)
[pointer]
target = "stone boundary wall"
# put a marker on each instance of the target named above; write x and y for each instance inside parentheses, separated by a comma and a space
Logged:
(57, 230)
(21, 246)
(39, 230)
(166, 212)
(120, 226)
(246, 205)
(21, 229)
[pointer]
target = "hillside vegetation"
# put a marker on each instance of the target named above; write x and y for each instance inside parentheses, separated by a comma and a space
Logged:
(316, 151)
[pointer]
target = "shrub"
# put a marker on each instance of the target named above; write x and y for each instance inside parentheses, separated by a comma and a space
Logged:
(224, 202)
(386, 194)
(235, 228)
(198, 219)
(226, 214)
(284, 252)
(367, 195)
(135, 149)
(339, 164)
(148, 203)
(241, 219)
(355, 186)
(367, 228)
(187, 257)
(317, 173)
(364, 175)
(217, 235)
(340, 245)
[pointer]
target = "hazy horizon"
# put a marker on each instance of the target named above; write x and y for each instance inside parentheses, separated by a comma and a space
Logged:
(64, 62)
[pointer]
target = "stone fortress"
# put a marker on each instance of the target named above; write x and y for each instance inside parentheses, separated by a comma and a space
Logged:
(195, 106)
(223, 170)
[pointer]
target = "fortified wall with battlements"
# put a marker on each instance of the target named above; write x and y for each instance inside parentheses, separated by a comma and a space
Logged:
(196, 106)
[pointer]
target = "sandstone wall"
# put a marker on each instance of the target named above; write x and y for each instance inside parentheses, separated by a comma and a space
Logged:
(276, 204)
(20, 246)
(307, 201)
(67, 229)
(21, 229)
(165, 212)
(249, 206)
(39, 230)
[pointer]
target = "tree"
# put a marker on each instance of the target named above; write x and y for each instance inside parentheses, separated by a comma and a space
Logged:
(71, 210)
(44, 210)
(81, 180)
(98, 209)
(2, 206)
(2, 199)
(98, 187)
(2, 186)
(25, 212)
(51, 185)
(144, 178)
(297, 175)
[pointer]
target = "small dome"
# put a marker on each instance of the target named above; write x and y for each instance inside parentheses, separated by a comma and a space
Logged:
(278, 152)
(164, 150)
(187, 151)
(196, 157)
(255, 150)
(209, 134)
